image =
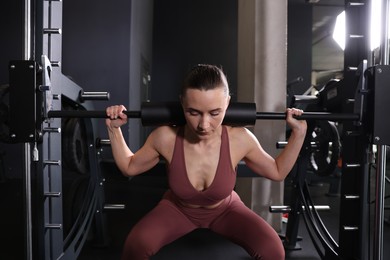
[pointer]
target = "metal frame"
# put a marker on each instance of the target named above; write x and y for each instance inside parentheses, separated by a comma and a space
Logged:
(42, 179)
(358, 138)
(354, 209)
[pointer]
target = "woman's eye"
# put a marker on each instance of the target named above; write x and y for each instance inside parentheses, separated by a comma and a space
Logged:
(193, 113)
(215, 114)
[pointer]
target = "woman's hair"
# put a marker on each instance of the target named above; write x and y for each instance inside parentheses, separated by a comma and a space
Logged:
(205, 77)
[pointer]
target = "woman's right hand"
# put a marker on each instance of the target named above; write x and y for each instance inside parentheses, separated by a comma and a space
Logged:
(116, 117)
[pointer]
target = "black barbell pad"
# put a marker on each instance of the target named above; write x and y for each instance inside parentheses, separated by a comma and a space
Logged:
(162, 113)
(171, 113)
(240, 114)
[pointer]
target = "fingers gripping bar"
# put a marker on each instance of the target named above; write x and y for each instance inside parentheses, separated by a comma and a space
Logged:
(171, 113)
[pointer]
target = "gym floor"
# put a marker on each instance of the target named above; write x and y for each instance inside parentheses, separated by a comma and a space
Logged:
(140, 195)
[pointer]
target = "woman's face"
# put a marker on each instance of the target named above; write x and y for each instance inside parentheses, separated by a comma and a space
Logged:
(204, 110)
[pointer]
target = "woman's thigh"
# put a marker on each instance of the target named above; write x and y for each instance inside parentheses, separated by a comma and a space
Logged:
(244, 227)
(162, 225)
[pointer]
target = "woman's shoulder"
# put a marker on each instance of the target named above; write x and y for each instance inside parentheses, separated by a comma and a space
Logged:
(241, 142)
(163, 140)
(237, 131)
(241, 135)
(166, 129)
(164, 133)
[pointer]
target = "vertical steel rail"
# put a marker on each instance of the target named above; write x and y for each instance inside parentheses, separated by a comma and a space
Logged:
(379, 202)
(27, 146)
(27, 200)
(384, 47)
(381, 162)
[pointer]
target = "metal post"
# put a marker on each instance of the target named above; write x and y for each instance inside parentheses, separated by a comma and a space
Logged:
(384, 47)
(27, 29)
(27, 146)
(381, 161)
(27, 200)
(379, 204)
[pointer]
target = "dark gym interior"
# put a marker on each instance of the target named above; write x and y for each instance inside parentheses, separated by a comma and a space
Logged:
(135, 51)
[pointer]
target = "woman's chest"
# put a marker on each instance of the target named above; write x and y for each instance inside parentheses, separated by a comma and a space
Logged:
(201, 166)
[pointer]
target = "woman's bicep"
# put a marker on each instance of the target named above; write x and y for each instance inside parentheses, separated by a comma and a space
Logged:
(258, 160)
(145, 158)
(158, 145)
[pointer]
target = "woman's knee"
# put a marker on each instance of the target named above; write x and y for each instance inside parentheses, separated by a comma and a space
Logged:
(138, 246)
(276, 251)
(272, 251)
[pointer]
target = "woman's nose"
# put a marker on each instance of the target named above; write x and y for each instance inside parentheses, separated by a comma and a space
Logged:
(204, 123)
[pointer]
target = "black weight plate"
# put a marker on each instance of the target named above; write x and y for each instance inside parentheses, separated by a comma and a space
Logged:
(326, 148)
(75, 147)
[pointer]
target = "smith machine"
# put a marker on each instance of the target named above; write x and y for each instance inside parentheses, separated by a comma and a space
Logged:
(362, 91)
(49, 96)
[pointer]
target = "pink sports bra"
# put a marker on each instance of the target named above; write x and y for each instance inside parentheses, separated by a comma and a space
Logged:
(219, 189)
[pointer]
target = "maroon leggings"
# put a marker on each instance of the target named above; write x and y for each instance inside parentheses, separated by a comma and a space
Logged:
(232, 219)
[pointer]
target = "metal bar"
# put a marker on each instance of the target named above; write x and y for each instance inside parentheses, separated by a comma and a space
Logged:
(351, 197)
(27, 30)
(379, 203)
(27, 200)
(279, 209)
(381, 162)
(94, 96)
(309, 116)
(355, 4)
(87, 114)
(259, 115)
(27, 147)
(350, 228)
(52, 31)
(384, 47)
(114, 206)
(287, 209)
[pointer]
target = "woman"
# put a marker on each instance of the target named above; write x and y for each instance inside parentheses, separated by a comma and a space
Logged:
(201, 158)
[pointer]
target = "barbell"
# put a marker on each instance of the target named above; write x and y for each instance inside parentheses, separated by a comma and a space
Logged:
(171, 113)
(237, 114)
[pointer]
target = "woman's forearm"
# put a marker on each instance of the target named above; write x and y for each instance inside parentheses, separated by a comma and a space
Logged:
(288, 157)
(120, 150)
